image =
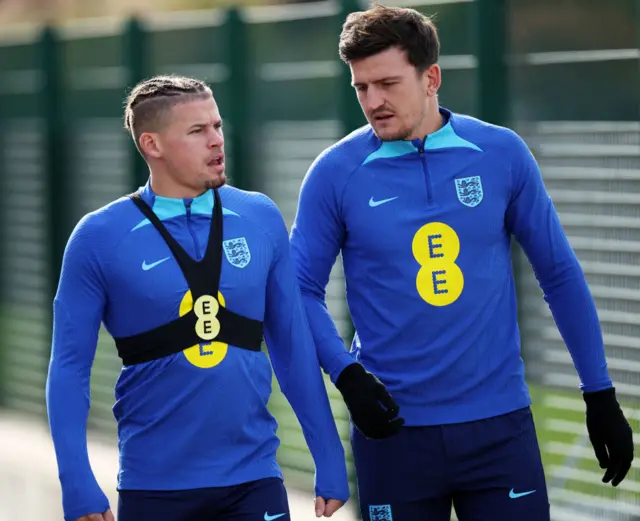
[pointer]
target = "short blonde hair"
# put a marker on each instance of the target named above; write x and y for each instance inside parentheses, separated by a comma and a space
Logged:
(150, 100)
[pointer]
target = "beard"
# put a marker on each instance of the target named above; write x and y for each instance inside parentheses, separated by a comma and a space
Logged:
(212, 184)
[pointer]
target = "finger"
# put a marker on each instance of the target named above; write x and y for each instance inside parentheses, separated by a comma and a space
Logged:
(608, 475)
(602, 455)
(333, 505)
(612, 468)
(395, 426)
(387, 430)
(388, 402)
(621, 473)
(108, 516)
(320, 506)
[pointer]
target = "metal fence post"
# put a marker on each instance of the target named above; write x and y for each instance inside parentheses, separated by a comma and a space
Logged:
(350, 113)
(55, 153)
(238, 62)
(58, 186)
(135, 58)
(494, 103)
(493, 73)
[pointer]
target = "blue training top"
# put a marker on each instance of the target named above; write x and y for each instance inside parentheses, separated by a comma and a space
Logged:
(424, 228)
(197, 418)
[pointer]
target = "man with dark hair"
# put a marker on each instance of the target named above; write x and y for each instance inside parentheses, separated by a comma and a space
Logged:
(187, 274)
(422, 203)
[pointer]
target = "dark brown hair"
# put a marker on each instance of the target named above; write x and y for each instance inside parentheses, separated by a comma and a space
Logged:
(150, 100)
(365, 33)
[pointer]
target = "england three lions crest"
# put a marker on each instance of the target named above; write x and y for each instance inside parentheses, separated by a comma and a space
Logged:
(237, 252)
(469, 190)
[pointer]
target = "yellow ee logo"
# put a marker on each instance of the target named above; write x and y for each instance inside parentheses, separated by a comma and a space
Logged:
(436, 247)
(206, 354)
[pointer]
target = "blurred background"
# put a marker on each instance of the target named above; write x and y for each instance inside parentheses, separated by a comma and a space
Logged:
(563, 73)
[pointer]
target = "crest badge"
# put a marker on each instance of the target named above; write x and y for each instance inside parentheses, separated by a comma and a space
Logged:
(469, 190)
(380, 513)
(237, 252)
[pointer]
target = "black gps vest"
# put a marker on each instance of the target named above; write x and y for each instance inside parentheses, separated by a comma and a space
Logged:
(207, 321)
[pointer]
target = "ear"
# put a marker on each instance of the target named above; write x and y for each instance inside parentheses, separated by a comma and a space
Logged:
(150, 144)
(432, 79)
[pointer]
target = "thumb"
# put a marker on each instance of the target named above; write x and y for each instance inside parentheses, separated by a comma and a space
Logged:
(108, 516)
(320, 506)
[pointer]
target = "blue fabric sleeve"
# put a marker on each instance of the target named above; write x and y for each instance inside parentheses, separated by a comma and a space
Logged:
(533, 220)
(296, 366)
(317, 236)
(77, 314)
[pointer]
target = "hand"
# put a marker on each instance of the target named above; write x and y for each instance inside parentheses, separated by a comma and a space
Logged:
(610, 434)
(327, 508)
(106, 516)
(372, 409)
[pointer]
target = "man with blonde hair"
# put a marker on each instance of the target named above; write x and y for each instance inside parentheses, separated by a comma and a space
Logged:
(187, 274)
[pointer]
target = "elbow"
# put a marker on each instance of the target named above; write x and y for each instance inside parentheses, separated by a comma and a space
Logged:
(560, 275)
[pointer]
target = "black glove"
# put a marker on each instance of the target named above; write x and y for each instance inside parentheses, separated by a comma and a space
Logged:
(372, 408)
(610, 434)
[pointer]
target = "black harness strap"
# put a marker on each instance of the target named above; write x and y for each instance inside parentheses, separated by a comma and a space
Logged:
(207, 321)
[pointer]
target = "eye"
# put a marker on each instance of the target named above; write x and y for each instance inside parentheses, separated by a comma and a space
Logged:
(195, 131)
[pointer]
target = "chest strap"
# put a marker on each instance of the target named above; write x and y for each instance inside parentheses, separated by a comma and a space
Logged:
(207, 321)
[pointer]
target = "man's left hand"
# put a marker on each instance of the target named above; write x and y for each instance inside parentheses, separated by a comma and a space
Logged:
(610, 434)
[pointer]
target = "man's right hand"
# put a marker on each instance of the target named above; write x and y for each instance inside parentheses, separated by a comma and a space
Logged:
(106, 516)
(373, 411)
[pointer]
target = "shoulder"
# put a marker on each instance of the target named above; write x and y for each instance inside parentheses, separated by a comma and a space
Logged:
(257, 208)
(490, 137)
(337, 162)
(106, 223)
(248, 204)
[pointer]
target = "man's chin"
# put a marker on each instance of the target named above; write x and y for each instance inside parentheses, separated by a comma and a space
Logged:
(386, 134)
(216, 182)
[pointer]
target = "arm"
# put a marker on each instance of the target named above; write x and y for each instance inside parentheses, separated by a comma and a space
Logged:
(296, 367)
(78, 308)
(534, 222)
(316, 238)
(532, 219)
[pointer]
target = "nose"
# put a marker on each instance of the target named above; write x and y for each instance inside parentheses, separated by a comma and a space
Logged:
(374, 99)
(216, 138)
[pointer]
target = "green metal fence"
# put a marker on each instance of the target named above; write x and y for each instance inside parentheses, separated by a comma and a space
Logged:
(551, 69)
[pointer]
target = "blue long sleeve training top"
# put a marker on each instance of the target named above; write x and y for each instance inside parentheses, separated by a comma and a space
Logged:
(197, 418)
(424, 228)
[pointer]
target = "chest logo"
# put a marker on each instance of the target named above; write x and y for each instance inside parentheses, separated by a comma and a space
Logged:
(469, 190)
(237, 252)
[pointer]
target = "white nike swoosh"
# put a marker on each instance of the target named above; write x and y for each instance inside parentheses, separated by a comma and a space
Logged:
(373, 203)
(514, 495)
(267, 517)
(147, 267)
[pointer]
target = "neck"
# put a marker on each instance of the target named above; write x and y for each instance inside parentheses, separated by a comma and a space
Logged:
(432, 122)
(163, 186)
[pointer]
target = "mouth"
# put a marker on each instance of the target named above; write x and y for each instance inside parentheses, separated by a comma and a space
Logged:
(217, 160)
(382, 117)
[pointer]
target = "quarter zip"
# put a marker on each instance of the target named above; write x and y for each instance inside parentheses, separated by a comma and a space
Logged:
(194, 236)
(425, 171)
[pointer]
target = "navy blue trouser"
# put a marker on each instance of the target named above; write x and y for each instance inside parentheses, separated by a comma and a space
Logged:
(488, 470)
(262, 500)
